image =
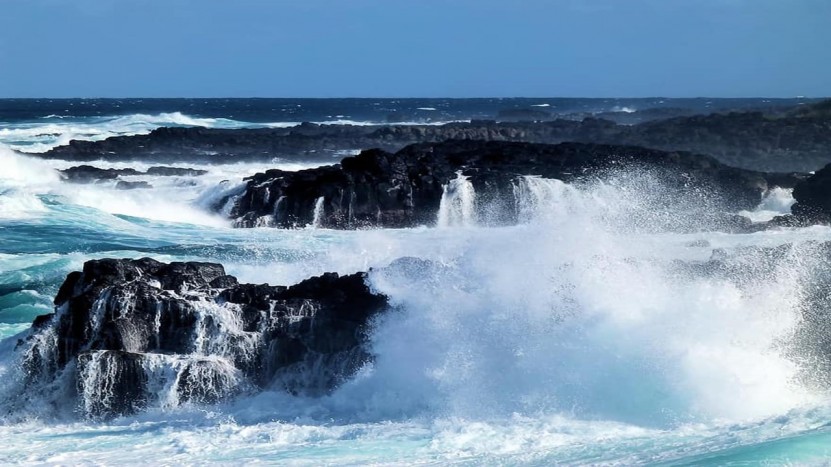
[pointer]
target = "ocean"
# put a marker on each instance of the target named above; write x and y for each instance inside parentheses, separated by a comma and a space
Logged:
(570, 338)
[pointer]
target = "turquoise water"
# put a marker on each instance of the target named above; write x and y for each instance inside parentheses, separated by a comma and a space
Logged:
(565, 340)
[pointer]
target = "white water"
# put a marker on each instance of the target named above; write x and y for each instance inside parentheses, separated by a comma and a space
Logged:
(566, 339)
(457, 207)
(537, 197)
(317, 215)
(54, 130)
(26, 182)
(776, 202)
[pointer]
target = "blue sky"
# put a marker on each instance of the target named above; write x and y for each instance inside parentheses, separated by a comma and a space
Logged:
(411, 48)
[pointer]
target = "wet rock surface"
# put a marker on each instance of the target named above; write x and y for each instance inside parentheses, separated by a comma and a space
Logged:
(138, 333)
(406, 188)
(795, 140)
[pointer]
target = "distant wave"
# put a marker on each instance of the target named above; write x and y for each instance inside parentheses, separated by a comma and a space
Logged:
(40, 136)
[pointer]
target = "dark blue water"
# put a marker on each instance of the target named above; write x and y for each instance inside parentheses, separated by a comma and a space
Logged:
(371, 110)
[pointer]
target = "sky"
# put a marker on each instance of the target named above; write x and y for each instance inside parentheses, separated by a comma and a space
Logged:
(415, 48)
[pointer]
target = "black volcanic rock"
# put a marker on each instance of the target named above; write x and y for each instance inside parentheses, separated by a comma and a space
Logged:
(123, 327)
(90, 174)
(174, 172)
(786, 141)
(125, 185)
(404, 189)
(813, 200)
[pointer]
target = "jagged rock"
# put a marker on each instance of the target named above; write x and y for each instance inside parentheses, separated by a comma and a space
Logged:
(90, 174)
(175, 172)
(134, 333)
(813, 198)
(125, 185)
(381, 189)
(770, 141)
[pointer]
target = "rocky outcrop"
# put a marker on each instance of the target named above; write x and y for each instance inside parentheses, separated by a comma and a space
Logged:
(131, 334)
(771, 141)
(125, 185)
(90, 174)
(174, 172)
(813, 201)
(405, 189)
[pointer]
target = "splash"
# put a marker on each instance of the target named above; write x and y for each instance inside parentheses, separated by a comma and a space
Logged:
(458, 203)
(317, 215)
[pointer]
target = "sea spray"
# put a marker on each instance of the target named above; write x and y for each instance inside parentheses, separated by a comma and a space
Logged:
(457, 207)
(537, 197)
(581, 337)
(318, 213)
(568, 315)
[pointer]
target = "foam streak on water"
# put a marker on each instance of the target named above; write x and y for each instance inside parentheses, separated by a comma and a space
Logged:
(573, 337)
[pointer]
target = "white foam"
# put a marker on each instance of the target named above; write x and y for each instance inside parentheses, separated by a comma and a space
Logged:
(172, 199)
(776, 202)
(565, 340)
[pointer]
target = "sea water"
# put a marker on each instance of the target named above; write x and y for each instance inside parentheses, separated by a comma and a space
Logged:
(568, 338)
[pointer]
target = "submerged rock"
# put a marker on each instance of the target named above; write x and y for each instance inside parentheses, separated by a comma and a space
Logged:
(175, 172)
(125, 185)
(139, 333)
(405, 189)
(90, 174)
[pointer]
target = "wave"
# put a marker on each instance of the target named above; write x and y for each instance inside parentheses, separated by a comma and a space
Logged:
(40, 136)
(31, 187)
(571, 338)
(623, 109)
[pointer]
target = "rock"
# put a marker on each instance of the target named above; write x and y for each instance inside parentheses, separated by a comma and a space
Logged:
(777, 141)
(134, 333)
(90, 174)
(813, 198)
(125, 185)
(381, 189)
(175, 172)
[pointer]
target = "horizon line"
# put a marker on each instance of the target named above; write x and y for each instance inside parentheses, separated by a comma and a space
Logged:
(418, 97)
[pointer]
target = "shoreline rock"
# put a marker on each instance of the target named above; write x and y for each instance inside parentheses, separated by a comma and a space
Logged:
(405, 189)
(131, 334)
(90, 174)
(782, 141)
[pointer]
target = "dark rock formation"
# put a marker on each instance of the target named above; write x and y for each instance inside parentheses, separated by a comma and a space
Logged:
(174, 172)
(377, 188)
(90, 174)
(125, 185)
(813, 201)
(137, 333)
(799, 140)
